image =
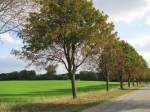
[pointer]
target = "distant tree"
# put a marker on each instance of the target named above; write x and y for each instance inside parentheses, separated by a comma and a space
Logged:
(27, 75)
(116, 61)
(51, 69)
(88, 75)
(141, 68)
(131, 58)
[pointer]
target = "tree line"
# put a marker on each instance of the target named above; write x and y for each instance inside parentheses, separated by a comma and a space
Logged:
(31, 75)
(77, 35)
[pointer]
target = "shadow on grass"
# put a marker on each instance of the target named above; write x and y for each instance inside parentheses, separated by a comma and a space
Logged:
(50, 94)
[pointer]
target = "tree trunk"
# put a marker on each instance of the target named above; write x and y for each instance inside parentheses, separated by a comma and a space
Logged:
(107, 81)
(73, 85)
(121, 81)
(129, 82)
(133, 83)
(140, 82)
(137, 83)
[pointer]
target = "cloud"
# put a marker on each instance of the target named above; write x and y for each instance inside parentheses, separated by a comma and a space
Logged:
(146, 56)
(124, 10)
(10, 63)
(140, 42)
(8, 38)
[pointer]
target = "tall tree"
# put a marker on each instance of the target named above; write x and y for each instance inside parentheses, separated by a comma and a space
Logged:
(64, 31)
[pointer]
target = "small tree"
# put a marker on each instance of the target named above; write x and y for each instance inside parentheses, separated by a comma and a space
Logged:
(51, 69)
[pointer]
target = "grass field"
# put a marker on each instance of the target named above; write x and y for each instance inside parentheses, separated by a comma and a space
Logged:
(54, 96)
(22, 91)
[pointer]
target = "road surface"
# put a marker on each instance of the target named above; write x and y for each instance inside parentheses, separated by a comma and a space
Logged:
(137, 101)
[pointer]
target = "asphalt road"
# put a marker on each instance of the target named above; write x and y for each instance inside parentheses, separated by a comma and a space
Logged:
(137, 101)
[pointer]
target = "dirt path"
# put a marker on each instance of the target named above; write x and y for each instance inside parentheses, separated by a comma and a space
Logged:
(137, 101)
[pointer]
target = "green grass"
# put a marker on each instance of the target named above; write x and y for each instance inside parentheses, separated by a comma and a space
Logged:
(24, 91)
(54, 96)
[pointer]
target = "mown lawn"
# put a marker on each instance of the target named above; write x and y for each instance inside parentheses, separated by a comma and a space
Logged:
(22, 91)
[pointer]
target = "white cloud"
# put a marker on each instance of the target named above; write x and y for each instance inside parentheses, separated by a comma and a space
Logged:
(124, 10)
(7, 38)
(146, 56)
(141, 41)
(10, 63)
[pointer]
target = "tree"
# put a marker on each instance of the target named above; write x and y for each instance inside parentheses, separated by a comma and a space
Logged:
(116, 61)
(130, 54)
(107, 59)
(64, 31)
(140, 70)
(51, 69)
(88, 75)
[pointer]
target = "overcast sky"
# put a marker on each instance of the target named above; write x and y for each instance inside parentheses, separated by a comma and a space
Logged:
(131, 19)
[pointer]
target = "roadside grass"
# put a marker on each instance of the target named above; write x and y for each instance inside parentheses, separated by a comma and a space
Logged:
(66, 104)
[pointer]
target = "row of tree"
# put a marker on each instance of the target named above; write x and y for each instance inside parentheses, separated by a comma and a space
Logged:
(50, 75)
(74, 33)
(31, 75)
(120, 60)
(22, 75)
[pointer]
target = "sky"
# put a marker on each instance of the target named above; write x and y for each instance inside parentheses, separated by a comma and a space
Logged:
(131, 19)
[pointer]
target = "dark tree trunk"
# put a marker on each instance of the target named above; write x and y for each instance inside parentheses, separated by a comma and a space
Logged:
(73, 85)
(140, 82)
(121, 81)
(107, 82)
(133, 83)
(107, 79)
(129, 82)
